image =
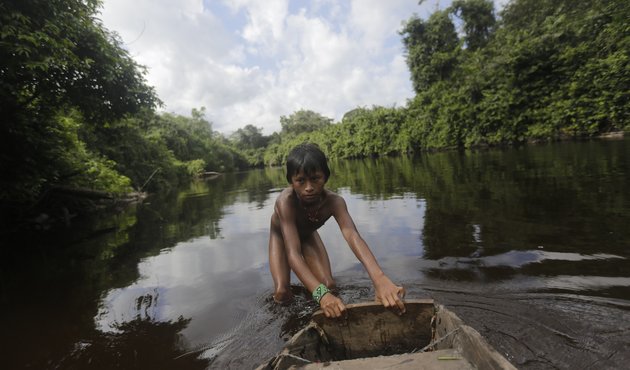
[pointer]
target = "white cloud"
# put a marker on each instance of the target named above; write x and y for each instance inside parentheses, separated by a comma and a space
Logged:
(266, 21)
(374, 20)
(250, 62)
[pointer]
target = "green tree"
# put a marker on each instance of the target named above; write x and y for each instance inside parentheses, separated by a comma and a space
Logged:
(192, 138)
(431, 48)
(138, 148)
(303, 121)
(56, 57)
(546, 70)
(249, 137)
(479, 21)
(251, 143)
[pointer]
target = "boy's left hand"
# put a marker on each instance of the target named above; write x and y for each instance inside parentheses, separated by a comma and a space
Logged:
(389, 294)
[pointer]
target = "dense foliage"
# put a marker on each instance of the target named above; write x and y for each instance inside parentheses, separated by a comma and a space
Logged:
(62, 76)
(541, 71)
(78, 112)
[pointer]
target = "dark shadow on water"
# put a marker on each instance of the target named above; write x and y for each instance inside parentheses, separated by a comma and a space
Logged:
(263, 333)
(137, 344)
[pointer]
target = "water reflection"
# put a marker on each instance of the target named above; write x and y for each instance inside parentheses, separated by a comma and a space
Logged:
(135, 344)
(514, 221)
(538, 234)
(207, 274)
(518, 259)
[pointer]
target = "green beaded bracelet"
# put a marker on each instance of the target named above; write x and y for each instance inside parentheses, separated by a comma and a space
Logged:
(319, 292)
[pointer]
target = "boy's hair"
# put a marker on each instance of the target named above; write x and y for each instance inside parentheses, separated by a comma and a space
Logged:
(307, 157)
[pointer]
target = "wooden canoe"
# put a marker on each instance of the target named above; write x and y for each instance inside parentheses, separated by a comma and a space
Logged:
(427, 336)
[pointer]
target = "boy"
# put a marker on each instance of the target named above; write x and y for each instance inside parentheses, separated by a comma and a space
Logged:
(294, 243)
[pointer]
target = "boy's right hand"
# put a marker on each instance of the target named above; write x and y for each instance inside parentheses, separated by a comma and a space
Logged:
(332, 305)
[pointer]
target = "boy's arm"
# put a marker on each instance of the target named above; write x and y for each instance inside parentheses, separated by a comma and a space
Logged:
(386, 291)
(332, 306)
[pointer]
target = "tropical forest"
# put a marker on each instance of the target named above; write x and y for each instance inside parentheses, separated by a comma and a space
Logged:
(79, 116)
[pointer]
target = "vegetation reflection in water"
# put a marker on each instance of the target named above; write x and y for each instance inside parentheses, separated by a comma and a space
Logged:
(527, 219)
(189, 270)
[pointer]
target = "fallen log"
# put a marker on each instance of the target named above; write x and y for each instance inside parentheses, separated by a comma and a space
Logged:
(209, 174)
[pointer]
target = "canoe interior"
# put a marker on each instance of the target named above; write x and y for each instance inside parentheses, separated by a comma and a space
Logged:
(413, 339)
(370, 330)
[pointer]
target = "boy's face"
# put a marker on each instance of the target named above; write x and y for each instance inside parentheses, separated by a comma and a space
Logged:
(308, 187)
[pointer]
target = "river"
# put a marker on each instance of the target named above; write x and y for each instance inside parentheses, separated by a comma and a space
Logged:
(528, 245)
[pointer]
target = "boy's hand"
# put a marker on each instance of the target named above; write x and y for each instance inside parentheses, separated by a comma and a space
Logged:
(389, 294)
(332, 306)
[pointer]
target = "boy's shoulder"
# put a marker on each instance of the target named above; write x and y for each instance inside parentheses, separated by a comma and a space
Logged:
(334, 199)
(332, 195)
(286, 195)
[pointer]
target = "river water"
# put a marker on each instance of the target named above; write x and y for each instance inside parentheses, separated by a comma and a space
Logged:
(529, 245)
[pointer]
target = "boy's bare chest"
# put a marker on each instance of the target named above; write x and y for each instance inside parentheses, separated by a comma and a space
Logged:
(306, 224)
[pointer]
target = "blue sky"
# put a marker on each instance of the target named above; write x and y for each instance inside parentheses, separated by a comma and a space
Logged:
(252, 61)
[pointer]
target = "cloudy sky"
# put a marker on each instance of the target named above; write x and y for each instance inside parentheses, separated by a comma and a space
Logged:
(252, 61)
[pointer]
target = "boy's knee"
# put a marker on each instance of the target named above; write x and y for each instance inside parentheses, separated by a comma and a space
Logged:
(282, 295)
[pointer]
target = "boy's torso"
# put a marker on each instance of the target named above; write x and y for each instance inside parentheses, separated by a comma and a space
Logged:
(305, 226)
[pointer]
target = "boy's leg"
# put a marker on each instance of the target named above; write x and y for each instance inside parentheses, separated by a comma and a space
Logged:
(316, 257)
(279, 266)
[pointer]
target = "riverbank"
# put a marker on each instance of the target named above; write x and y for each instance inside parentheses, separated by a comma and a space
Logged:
(61, 207)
